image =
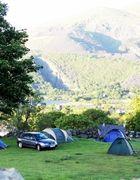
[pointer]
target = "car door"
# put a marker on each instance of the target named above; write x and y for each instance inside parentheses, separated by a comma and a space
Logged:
(26, 140)
(33, 141)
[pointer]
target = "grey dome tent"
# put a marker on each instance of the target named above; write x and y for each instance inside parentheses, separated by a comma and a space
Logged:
(121, 147)
(2, 145)
(61, 136)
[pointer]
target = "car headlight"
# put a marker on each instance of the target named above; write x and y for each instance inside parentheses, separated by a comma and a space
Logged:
(55, 143)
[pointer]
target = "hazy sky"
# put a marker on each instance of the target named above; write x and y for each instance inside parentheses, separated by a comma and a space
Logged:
(23, 13)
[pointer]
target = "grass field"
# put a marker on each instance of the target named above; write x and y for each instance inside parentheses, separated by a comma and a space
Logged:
(80, 160)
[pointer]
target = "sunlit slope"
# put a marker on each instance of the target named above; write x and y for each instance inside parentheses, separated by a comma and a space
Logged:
(102, 32)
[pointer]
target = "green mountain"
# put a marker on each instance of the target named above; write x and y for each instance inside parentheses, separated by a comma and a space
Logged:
(94, 56)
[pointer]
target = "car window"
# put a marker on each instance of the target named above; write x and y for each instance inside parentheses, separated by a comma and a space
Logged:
(40, 136)
(26, 136)
(32, 137)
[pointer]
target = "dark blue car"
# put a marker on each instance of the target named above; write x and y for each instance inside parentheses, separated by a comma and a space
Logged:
(36, 140)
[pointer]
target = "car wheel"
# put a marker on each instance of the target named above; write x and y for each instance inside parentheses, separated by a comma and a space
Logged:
(20, 145)
(38, 147)
(53, 148)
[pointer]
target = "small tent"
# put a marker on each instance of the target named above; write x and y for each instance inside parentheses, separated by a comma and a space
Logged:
(2, 145)
(113, 135)
(111, 132)
(121, 147)
(61, 136)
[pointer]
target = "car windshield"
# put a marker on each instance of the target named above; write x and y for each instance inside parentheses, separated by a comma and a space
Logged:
(40, 136)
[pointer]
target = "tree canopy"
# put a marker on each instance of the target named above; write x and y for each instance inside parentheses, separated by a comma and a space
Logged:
(133, 117)
(15, 66)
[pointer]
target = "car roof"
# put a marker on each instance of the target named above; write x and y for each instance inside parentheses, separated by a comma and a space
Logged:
(32, 133)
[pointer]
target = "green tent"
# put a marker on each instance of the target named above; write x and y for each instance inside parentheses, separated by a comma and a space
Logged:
(121, 147)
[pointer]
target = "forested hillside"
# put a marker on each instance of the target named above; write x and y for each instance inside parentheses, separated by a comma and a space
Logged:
(90, 77)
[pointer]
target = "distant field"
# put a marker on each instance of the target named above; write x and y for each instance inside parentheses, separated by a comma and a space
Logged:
(82, 159)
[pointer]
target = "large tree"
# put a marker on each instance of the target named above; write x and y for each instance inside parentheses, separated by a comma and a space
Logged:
(15, 81)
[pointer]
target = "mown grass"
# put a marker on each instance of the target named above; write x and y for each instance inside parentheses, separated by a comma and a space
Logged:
(82, 159)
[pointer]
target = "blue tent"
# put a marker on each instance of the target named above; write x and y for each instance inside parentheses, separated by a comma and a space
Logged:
(2, 145)
(112, 135)
(110, 132)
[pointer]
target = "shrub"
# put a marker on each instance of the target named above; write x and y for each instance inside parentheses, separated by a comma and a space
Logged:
(47, 120)
(73, 121)
(133, 117)
(89, 118)
(98, 117)
(133, 122)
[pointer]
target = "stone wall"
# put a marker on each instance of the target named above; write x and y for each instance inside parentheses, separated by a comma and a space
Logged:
(88, 133)
(93, 133)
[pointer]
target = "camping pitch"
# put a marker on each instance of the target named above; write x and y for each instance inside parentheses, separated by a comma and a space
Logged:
(121, 147)
(61, 136)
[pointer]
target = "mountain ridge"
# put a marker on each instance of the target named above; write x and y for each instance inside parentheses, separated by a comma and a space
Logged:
(99, 56)
(104, 33)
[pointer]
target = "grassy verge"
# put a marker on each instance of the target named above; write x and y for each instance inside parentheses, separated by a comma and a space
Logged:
(82, 159)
